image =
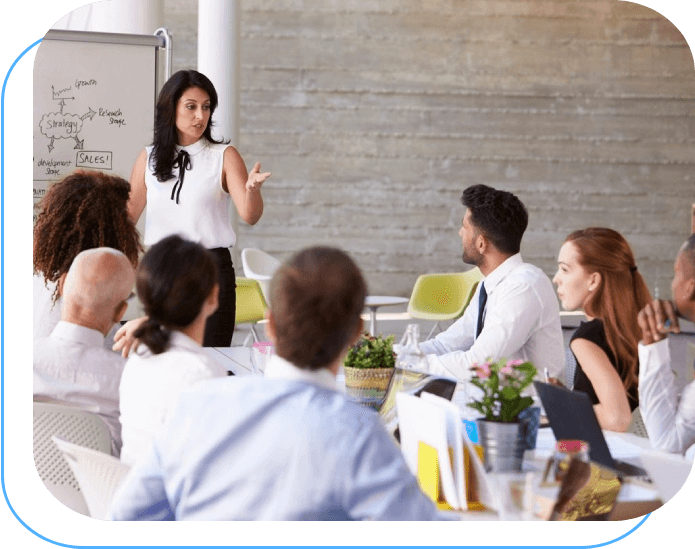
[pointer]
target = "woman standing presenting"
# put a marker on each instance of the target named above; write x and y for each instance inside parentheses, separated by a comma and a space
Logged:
(187, 179)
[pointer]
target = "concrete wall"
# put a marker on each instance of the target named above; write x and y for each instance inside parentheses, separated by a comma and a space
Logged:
(373, 117)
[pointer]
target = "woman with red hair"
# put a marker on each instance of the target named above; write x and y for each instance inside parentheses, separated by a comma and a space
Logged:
(597, 274)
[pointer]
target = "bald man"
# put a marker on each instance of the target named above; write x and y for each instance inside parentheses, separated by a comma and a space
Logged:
(71, 365)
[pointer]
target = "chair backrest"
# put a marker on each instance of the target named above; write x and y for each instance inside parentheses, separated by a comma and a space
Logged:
(637, 424)
(443, 296)
(97, 473)
(259, 265)
(74, 425)
(570, 368)
(689, 363)
(250, 303)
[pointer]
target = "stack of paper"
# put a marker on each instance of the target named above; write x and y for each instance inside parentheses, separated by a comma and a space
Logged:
(432, 442)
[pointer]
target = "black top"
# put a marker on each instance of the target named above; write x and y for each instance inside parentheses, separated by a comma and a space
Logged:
(593, 331)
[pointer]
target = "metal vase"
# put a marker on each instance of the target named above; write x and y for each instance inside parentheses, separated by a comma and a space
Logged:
(503, 445)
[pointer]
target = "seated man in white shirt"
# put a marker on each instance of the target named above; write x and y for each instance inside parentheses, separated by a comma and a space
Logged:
(514, 313)
(71, 365)
(669, 419)
(287, 446)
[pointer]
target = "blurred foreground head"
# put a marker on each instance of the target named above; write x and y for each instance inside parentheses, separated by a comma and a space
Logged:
(316, 300)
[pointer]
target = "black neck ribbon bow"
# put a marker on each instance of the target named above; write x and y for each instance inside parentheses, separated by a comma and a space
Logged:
(183, 163)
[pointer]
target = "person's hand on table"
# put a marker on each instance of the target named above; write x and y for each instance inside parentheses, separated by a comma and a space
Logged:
(555, 381)
(657, 320)
(125, 340)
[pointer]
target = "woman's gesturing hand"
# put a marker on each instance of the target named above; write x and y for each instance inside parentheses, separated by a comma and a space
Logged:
(125, 340)
(256, 179)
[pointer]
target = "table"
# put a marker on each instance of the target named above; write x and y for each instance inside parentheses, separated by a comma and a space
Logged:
(373, 302)
(235, 359)
(635, 499)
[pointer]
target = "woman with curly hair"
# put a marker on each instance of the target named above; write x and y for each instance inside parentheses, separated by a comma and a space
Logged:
(597, 274)
(188, 181)
(85, 210)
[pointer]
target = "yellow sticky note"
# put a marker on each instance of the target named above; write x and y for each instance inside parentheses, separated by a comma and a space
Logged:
(428, 474)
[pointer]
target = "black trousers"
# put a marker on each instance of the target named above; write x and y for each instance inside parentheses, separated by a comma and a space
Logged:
(220, 326)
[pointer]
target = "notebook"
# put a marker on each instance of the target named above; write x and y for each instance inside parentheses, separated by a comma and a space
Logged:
(414, 383)
(572, 416)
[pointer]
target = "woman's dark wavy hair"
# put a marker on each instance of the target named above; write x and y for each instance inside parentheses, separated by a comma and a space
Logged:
(174, 279)
(316, 299)
(86, 209)
(165, 136)
(500, 215)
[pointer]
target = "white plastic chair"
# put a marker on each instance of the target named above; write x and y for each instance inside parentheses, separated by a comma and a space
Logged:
(259, 266)
(77, 426)
(98, 475)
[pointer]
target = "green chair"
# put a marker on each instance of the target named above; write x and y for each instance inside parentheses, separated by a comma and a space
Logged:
(443, 296)
(250, 304)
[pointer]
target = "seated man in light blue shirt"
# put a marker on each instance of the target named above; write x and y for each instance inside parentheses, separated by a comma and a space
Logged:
(514, 313)
(287, 446)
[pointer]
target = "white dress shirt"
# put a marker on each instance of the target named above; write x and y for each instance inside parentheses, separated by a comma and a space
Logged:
(150, 388)
(286, 446)
(670, 421)
(522, 321)
(71, 366)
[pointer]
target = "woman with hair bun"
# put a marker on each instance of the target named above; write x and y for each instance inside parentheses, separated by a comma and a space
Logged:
(177, 284)
(598, 275)
(188, 180)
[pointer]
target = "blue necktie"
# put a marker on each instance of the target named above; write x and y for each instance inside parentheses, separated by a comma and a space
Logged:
(482, 299)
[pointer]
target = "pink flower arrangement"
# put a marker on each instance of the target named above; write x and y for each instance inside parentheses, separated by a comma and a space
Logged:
(502, 383)
(483, 370)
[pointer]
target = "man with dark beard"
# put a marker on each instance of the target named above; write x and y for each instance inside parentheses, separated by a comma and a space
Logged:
(514, 313)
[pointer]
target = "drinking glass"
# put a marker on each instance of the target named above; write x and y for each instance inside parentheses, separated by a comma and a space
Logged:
(515, 493)
(259, 358)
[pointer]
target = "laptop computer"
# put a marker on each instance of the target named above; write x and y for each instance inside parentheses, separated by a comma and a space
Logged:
(572, 416)
(414, 383)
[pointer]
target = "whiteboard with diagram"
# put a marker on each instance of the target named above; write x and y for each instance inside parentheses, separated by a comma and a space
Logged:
(94, 100)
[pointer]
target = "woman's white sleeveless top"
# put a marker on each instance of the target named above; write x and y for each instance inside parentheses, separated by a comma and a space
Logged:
(202, 212)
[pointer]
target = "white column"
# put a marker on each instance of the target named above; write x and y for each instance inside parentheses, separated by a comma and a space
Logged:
(219, 55)
(123, 16)
(219, 58)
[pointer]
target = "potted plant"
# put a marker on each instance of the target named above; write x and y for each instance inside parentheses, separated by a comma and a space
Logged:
(501, 402)
(369, 366)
